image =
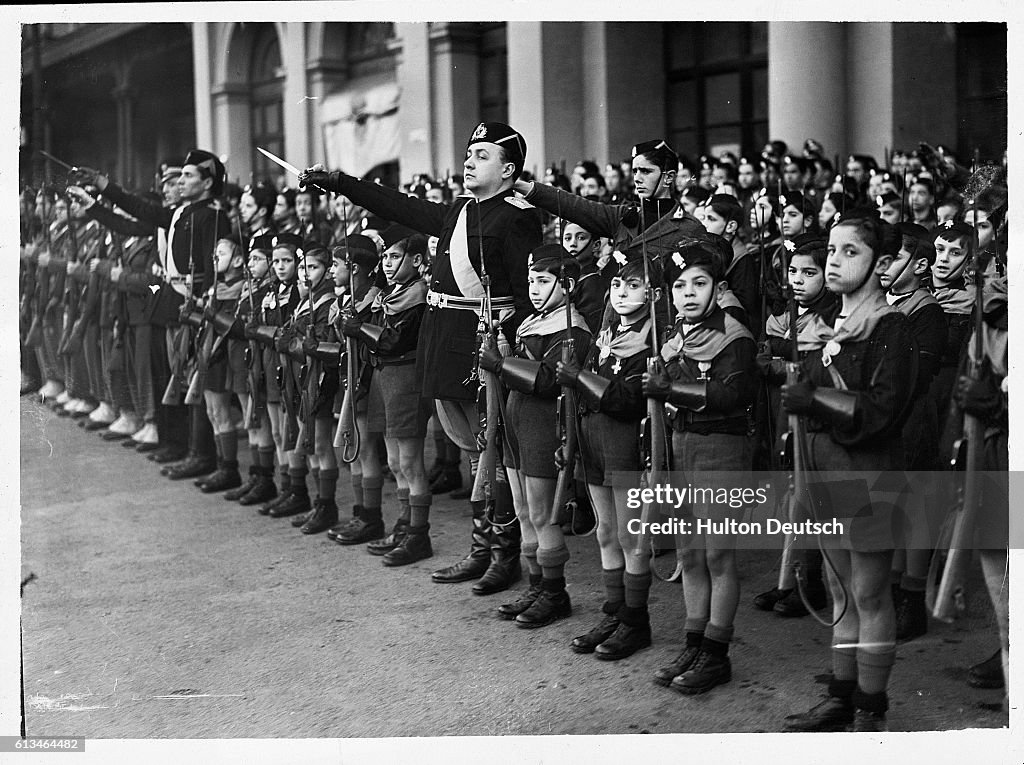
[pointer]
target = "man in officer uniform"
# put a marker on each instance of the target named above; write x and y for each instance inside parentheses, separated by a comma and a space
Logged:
(505, 229)
(192, 231)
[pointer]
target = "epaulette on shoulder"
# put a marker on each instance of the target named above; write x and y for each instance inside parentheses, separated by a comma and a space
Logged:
(519, 202)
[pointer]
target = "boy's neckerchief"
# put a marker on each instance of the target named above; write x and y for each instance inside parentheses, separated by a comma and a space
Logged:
(230, 289)
(397, 298)
(813, 327)
(954, 297)
(910, 302)
(704, 341)
(550, 323)
(624, 341)
(858, 326)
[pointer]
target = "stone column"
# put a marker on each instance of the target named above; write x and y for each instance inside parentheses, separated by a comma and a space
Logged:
(413, 74)
(232, 134)
(202, 60)
(296, 106)
(455, 77)
(807, 81)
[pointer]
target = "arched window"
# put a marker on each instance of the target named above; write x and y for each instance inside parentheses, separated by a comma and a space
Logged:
(266, 80)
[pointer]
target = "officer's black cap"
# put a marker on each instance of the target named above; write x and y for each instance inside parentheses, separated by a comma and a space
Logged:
(504, 136)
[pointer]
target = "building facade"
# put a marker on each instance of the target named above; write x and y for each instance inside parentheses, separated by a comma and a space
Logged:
(390, 99)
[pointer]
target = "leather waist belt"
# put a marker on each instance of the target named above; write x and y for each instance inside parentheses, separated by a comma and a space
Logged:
(440, 300)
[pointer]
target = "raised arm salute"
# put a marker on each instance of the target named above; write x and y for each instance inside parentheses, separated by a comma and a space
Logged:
(501, 228)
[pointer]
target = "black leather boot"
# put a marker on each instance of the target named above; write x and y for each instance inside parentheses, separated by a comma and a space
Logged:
(766, 600)
(511, 610)
(632, 634)
(988, 673)
(414, 546)
(392, 540)
(324, 515)
(552, 604)
(236, 494)
(263, 491)
(586, 643)
(192, 468)
(505, 567)
(332, 533)
(476, 562)
(293, 504)
(366, 526)
(834, 713)
(226, 477)
(682, 662)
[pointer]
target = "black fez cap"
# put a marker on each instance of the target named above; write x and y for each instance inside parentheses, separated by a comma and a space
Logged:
(311, 248)
(395, 233)
(701, 253)
(795, 199)
(807, 239)
(914, 231)
(886, 199)
(504, 136)
(551, 257)
(362, 249)
(666, 159)
(951, 230)
(262, 242)
(209, 166)
(286, 240)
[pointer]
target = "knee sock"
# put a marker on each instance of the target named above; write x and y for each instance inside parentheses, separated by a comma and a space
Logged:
(844, 660)
(403, 504)
(716, 639)
(694, 628)
(529, 551)
(357, 489)
(229, 448)
(254, 454)
(614, 589)
(371, 497)
(419, 510)
(637, 588)
(298, 480)
(328, 484)
(873, 669)
(315, 473)
(265, 459)
(552, 563)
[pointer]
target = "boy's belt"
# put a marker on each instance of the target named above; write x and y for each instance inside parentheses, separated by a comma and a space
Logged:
(441, 300)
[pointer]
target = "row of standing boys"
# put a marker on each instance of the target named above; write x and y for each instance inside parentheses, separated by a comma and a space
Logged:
(640, 312)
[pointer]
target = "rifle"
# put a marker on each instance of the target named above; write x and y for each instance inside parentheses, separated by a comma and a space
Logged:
(653, 433)
(179, 354)
(309, 380)
(40, 295)
(205, 334)
(89, 303)
(347, 437)
(72, 295)
(797, 432)
(489, 383)
(567, 425)
(968, 451)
